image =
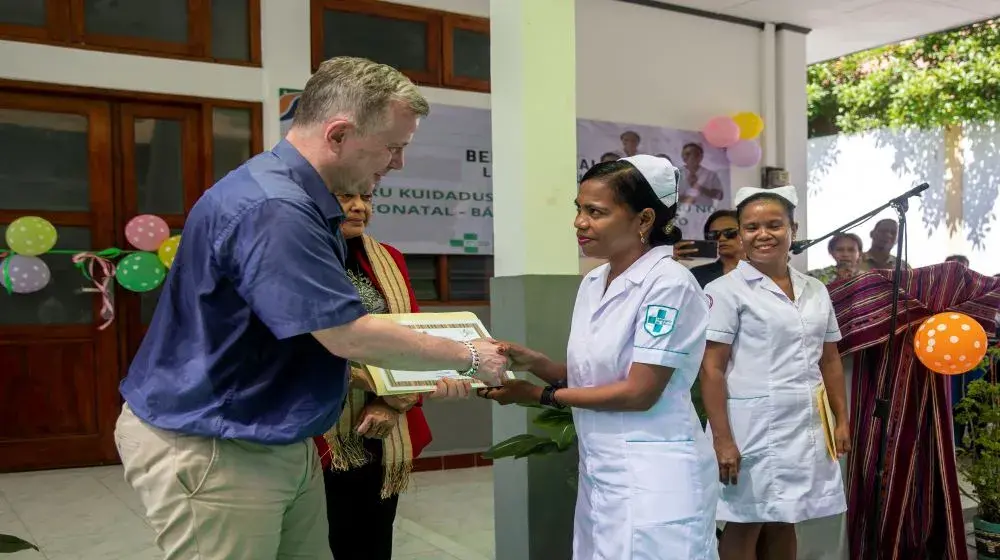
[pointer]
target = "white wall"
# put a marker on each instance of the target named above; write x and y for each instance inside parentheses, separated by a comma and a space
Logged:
(642, 65)
(852, 175)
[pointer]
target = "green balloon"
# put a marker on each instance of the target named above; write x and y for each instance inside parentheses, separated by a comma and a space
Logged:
(140, 272)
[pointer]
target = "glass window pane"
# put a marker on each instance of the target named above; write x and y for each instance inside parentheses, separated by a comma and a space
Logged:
(147, 300)
(44, 161)
(423, 276)
(231, 139)
(471, 54)
(158, 20)
(469, 277)
(399, 43)
(231, 30)
(23, 12)
(60, 302)
(159, 166)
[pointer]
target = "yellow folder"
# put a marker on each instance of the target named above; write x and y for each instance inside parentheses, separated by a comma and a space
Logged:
(828, 420)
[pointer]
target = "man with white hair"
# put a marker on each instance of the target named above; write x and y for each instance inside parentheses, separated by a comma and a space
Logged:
(246, 356)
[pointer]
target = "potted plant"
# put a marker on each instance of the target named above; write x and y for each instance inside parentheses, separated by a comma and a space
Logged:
(979, 457)
(9, 544)
(560, 436)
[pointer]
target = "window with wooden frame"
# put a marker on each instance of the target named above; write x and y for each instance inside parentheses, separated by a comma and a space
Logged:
(433, 48)
(459, 280)
(88, 160)
(221, 31)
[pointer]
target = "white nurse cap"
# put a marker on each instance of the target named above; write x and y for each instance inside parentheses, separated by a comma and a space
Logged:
(660, 175)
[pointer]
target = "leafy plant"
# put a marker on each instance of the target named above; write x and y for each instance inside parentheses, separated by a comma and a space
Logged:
(933, 81)
(9, 544)
(560, 437)
(979, 460)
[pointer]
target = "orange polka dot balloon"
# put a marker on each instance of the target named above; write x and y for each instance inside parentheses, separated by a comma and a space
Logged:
(950, 343)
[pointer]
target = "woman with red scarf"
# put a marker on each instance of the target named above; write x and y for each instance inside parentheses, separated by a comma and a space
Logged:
(368, 455)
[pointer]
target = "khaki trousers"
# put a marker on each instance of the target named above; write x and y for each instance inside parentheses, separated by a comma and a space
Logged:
(217, 499)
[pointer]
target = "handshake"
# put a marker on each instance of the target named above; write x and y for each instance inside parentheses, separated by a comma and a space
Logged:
(492, 369)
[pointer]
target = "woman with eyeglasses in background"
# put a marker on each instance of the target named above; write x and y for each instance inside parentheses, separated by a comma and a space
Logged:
(722, 227)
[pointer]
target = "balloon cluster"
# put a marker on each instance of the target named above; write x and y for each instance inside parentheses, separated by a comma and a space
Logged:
(22, 272)
(28, 237)
(737, 135)
(145, 269)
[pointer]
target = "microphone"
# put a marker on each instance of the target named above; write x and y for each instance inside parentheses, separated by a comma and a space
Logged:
(915, 191)
(799, 246)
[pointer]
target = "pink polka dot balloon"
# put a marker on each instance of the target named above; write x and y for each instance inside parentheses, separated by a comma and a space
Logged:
(147, 232)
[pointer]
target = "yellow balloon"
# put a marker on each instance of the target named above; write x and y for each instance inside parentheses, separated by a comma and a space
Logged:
(751, 125)
(168, 250)
(31, 235)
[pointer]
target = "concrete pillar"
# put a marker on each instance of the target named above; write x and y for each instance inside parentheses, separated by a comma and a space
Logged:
(285, 57)
(533, 98)
(768, 95)
(792, 120)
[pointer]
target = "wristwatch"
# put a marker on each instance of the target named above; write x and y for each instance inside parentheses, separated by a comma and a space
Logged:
(548, 397)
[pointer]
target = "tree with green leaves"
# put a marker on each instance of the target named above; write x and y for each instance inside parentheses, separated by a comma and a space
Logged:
(938, 80)
(922, 97)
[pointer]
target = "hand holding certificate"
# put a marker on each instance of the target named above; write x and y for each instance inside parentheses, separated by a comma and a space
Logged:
(461, 327)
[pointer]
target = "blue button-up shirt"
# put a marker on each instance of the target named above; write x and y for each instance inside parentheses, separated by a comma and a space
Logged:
(260, 266)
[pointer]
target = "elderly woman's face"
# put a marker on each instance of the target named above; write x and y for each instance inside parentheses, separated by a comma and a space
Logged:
(357, 212)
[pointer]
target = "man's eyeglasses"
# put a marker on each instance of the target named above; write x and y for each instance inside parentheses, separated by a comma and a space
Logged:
(716, 235)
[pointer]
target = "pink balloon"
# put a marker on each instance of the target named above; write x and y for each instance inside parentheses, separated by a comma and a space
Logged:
(147, 232)
(745, 153)
(722, 132)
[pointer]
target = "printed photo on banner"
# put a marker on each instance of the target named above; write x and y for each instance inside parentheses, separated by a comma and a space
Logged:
(441, 202)
(705, 184)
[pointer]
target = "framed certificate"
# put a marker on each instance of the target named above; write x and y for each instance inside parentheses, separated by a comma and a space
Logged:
(461, 326)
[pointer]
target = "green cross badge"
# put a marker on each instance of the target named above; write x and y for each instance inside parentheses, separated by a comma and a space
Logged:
(660, 320)
(469, 243)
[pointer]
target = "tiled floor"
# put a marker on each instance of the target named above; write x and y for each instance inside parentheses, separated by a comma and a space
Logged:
(91, 514)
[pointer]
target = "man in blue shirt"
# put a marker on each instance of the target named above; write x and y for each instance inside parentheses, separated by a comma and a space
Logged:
(246, 356)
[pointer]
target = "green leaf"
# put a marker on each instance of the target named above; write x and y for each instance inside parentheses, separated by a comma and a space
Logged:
(10, 544)
(519, 446)
(566, 437)
(553, 418)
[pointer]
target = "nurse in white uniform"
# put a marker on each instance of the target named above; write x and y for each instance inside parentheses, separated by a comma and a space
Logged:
(772, 348)
(648, 479)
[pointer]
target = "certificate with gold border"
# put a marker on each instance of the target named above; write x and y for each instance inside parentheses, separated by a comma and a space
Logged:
(462, 326)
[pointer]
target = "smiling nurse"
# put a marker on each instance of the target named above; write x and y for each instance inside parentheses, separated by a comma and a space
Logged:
(648, 481)
(772, 347)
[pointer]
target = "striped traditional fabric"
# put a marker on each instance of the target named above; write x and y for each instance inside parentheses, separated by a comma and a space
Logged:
(922, 512)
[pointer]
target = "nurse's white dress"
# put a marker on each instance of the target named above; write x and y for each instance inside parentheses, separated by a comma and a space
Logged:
(786, 474)
(648, 484)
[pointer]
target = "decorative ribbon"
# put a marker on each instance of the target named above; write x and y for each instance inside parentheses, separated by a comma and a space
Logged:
(7, 283)
(85, 264)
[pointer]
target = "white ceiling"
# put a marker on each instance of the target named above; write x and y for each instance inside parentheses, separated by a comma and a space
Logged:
(844, 26)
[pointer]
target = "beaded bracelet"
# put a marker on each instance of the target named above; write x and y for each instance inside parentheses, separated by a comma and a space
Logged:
(472, 371)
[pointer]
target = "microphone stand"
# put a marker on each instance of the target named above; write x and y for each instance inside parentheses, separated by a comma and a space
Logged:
(900, 204)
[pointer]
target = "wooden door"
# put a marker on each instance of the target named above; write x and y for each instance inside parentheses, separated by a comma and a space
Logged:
(58, 373)
(162, 173)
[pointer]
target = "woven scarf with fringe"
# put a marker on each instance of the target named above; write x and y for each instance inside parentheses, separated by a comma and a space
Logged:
(347, 449)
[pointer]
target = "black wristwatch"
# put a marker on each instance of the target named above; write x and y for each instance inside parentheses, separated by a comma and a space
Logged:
(548, 397)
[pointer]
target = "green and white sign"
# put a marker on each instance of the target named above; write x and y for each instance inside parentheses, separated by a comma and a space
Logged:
(441, 202)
